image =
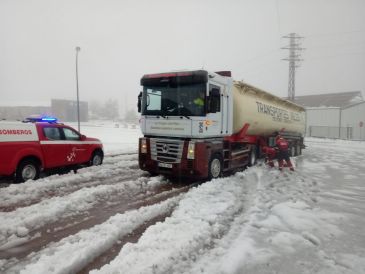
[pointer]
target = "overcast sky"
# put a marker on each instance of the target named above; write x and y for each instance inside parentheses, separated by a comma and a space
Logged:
(122, 40)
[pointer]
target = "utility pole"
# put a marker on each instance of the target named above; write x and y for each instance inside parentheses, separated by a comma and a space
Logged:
(293, 59)
(77, 87)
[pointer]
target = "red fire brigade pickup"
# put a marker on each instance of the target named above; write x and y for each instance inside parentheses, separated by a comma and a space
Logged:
(39, 144)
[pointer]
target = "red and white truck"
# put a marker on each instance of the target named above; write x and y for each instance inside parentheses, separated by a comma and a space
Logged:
(27, 148)
(201, 124)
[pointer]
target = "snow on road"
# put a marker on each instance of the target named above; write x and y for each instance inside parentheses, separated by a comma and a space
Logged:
(117, 168)
(256, 221)
(79, 249)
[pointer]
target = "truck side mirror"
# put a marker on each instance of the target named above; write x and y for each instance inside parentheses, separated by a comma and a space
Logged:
(139, 104)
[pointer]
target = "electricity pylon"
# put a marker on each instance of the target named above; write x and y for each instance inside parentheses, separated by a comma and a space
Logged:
(293, 59)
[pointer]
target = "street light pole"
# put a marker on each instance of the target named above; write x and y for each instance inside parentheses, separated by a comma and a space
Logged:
(77, 88)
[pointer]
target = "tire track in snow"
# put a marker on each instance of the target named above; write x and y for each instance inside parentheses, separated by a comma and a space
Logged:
(18, 223)
(32, 192)
(79, 250)
(133, 237)
(54, 230)
(202, 217)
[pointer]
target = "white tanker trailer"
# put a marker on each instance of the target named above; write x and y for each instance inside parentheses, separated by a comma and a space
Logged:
(201, 124)
(265, 112)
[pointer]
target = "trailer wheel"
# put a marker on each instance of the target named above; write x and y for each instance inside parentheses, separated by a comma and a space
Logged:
(253, 156)
(215, 167)
(27, 169)
(96, 158)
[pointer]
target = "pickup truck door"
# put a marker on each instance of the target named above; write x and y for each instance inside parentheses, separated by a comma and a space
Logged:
(78, 149)
(53, 147)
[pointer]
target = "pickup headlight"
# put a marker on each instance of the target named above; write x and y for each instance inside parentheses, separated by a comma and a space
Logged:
(143, 145)
(191, 150)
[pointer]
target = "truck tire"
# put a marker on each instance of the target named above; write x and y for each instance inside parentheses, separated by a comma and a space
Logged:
(292, 151)
(27, 169)
(215, 167)
(299, 150)
(253, 156)
(96, 158)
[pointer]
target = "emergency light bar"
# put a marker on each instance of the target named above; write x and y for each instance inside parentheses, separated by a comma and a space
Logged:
(49, 119)
(33, 119)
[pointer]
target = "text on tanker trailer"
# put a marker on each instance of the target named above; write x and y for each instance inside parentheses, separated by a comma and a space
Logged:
(200, 124)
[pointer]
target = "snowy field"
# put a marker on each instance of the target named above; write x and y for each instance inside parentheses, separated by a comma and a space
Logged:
(116, 137)
(257, 221)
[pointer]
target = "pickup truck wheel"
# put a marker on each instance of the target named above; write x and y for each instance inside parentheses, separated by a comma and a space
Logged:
(27, 170)
(215, 167)
(96, 159)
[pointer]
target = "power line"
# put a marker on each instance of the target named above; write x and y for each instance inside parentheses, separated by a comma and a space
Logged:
(294, 48)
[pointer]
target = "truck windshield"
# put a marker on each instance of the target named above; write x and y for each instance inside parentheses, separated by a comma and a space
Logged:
(174, 100)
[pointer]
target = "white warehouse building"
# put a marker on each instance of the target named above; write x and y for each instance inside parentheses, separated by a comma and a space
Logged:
(354, 117)
(335, 115)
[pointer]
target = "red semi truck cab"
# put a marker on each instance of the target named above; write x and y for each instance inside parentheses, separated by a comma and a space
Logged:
(27, 148)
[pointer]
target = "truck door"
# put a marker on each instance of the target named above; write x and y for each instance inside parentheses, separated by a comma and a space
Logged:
(53, 147)
(213, 124)
(77, 149)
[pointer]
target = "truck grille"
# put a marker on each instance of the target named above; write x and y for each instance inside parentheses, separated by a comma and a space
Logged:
(166, 150)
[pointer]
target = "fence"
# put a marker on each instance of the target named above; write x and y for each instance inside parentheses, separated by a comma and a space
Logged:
(332, 132)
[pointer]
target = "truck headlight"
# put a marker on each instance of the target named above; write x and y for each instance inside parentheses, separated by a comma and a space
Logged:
(143, 145)
(191, 150)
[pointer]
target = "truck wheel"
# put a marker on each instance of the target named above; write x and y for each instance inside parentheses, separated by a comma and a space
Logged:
(292, 151)
(96, 158)
(299, 150)
(27, 170)
(253, 156)
(215, 167)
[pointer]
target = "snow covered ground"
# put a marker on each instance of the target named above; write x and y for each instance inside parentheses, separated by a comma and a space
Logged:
(116, 137)
(257, 221)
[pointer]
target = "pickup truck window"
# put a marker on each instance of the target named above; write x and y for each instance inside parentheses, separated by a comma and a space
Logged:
(71, 134)
(52, 133)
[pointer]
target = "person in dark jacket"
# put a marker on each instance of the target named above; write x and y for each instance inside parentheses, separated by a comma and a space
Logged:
(282, 147)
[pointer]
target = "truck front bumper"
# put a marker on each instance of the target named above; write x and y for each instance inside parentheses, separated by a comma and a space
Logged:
(186, 168)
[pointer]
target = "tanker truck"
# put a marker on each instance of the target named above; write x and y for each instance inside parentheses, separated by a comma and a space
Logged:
(202, 124)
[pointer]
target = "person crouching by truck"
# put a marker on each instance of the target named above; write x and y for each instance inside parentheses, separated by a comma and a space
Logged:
(282, 148)
(270, 155)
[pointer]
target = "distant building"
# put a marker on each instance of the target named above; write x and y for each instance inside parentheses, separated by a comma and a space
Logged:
(13, 113)
(63, 110)
(342, 99)
(334, 115)
(66, 110)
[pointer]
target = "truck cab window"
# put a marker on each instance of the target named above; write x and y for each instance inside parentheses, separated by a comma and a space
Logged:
(175, 100)
(153, 99)
(70, 134)
(214, 99)
(52, 133)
